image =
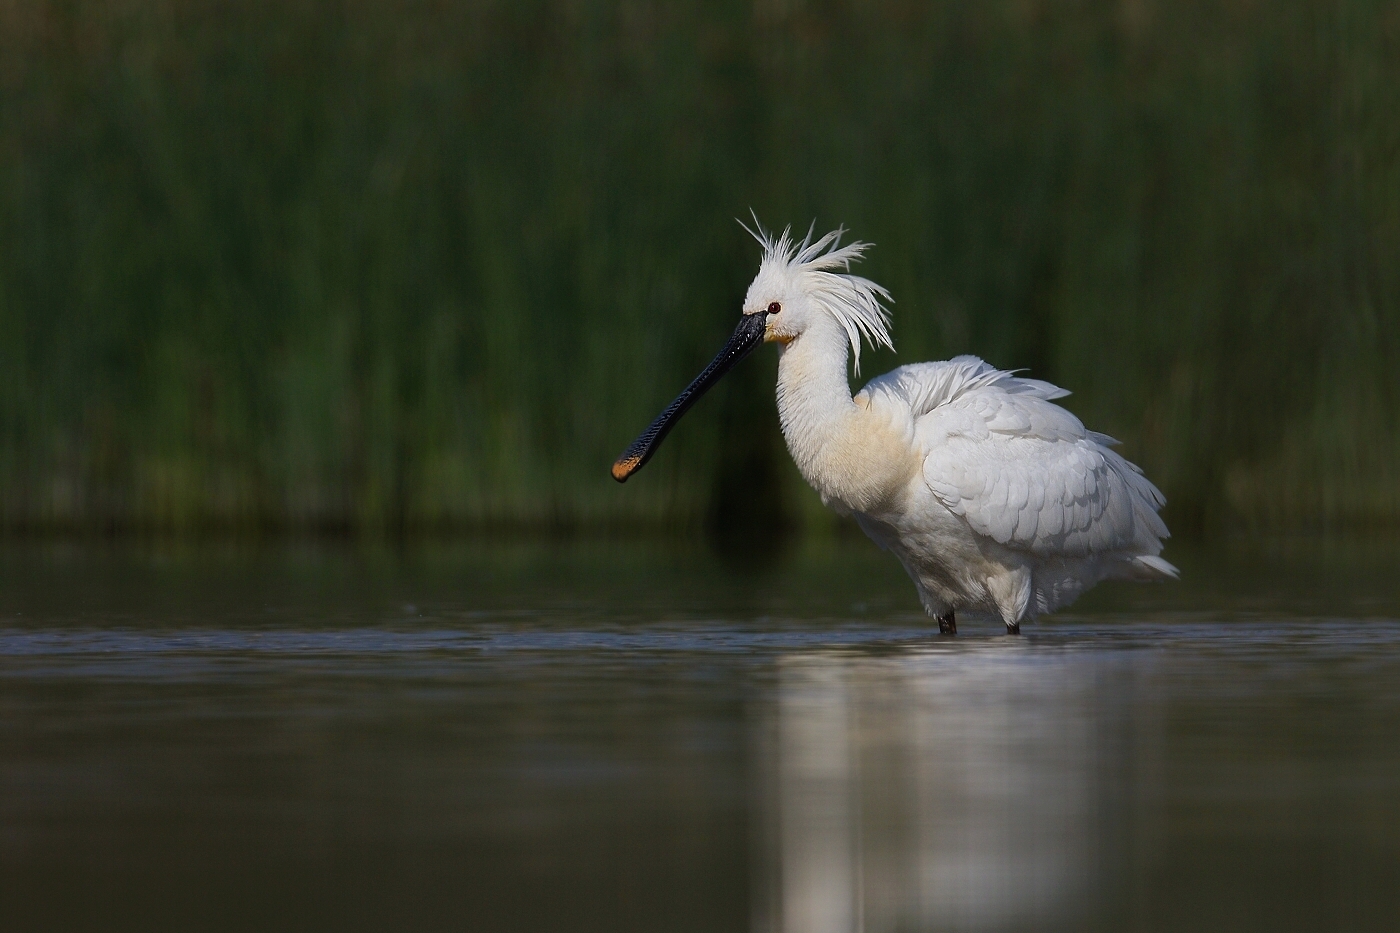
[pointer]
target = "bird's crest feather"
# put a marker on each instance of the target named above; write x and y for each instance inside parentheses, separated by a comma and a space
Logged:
(823, 267)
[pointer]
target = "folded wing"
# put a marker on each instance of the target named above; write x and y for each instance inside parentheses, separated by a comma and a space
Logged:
(1020, 469)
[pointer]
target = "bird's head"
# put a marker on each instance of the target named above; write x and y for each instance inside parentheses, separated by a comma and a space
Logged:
(799, 286)
(802, 285)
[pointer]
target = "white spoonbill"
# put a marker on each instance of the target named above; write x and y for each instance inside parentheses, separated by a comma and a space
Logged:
(993, 498)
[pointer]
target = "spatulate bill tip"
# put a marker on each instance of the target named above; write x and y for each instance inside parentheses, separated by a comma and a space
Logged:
(625, 467)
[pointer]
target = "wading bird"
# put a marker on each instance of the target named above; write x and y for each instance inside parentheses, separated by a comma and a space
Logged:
(993, 498)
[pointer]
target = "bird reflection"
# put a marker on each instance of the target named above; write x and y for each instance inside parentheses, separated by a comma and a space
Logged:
(930, 791)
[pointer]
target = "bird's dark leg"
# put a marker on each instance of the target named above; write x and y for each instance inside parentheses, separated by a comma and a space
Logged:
(947, 625)
(1013, 628)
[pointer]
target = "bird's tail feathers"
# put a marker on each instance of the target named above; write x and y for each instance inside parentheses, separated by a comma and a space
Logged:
(1151, 567)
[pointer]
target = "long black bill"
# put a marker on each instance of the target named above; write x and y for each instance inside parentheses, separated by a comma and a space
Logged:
(747, 335)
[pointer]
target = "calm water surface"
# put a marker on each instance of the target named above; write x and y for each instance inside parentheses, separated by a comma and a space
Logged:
(639, 736)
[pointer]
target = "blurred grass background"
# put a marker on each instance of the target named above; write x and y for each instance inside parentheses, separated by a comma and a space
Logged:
(405, 266)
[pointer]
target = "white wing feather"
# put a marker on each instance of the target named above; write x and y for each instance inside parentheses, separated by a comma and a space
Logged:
(1021, 470)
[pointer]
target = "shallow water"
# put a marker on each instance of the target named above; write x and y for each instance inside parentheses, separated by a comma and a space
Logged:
(638, 736)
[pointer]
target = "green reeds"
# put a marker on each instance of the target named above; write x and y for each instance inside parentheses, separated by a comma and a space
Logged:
(407, 266)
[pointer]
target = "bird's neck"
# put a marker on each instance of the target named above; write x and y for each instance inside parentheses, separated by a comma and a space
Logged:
(833, 441)
(813, 395)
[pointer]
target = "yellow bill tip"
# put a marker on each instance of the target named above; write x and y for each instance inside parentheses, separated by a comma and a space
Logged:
(625, 468)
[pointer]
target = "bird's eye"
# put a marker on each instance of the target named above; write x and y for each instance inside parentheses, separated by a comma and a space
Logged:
(774, 308)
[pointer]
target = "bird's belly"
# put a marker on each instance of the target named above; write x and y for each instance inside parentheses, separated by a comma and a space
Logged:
(948, 563)
(953, 567)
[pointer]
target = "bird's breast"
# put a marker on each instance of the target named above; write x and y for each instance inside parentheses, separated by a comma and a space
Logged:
(860, 465)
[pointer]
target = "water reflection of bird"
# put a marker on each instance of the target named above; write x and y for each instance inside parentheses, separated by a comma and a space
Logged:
(994, 498)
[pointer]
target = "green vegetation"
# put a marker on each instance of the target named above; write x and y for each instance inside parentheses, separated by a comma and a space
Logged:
(412, 265)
